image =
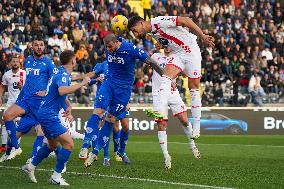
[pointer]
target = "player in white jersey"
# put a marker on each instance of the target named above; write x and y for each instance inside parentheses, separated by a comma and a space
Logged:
(176, 105)
(13, 80)
(67, 123)
(172, 32)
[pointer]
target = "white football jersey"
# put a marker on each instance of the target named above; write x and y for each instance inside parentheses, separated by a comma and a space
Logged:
(11, 80)
(166, 31)
(162, 60)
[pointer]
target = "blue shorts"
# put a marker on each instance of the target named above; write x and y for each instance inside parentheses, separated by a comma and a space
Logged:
(113, 98)
(124, 114)
(51, 126)
(29, 120)
(29, 105)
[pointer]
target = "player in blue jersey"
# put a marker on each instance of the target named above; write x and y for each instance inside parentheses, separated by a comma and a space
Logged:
(39, 68)
(115, 91)
(100, 72)
(55, 132)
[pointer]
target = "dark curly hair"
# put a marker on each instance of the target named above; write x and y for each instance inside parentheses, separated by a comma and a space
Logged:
(133, 21)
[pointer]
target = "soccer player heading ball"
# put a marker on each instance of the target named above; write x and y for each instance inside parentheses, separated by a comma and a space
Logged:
(185, 56)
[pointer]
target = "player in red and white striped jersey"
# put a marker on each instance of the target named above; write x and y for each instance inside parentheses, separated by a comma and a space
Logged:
(185, 56)
(13, 80)
(176, 105)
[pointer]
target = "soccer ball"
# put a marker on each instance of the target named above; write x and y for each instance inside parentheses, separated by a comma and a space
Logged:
(119, 24)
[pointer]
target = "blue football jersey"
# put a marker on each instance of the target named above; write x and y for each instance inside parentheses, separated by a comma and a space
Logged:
(52, 102)
(39, 71)
(121, 64)
(101, 69)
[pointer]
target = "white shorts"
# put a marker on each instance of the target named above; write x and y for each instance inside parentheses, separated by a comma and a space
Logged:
(188, 63)
(63, 120)
(175, 103)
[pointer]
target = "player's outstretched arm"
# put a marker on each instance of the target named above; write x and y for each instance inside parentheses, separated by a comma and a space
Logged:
(151, 62)
(89, 74)
(187, 22)
(71, 89)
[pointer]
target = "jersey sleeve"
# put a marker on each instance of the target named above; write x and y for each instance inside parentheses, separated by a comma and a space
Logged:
(4, 79)
(26, 61)
(98, 69)
(137, 53)
(164, 22)
(51, 68)
(62, 80)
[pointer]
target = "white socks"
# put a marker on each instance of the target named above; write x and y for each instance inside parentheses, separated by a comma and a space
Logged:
(196, 111)
(56, 175)
(188, 132)
(162, 135)
(76, 135)
(4, 135)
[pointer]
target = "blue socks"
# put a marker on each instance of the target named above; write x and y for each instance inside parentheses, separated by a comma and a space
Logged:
(9, 147)
(116, 138)
(62, 159)
(42, 153)
(91, 131)
(123, 141)
(106, 154)
(103, 136)
(37, 145)
(11, 129)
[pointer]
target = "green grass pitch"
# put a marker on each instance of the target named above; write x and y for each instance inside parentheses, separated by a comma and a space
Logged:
(227, 161)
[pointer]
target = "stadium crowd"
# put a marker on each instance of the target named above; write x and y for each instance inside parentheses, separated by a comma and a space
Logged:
(247, 64)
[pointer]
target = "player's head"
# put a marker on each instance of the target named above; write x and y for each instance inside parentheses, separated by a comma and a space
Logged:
(158, 46)
(111, 43)
(38, 46)
(15, 63)
(68, 57)
(136, 24)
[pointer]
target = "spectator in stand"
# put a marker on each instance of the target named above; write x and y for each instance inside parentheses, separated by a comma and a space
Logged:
(256, 89)
(246, 40)
(81, 52)
(54, 44)
(147, 5)
(5, 41)
(65, 43)
(77, 34)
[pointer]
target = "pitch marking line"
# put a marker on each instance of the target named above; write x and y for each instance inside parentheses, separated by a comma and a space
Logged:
(127, 178)
(204, 144)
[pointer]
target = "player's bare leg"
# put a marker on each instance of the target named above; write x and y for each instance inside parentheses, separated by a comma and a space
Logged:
(195, 102)
(187, 127)
(162, 136)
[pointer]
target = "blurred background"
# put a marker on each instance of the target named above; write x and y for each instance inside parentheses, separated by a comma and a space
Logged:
(246, 68)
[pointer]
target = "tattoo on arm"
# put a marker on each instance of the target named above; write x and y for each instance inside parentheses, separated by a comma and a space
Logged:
(154, 65)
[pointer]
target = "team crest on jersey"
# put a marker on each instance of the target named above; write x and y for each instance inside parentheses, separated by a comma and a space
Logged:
(15, 85)
(115, 59)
